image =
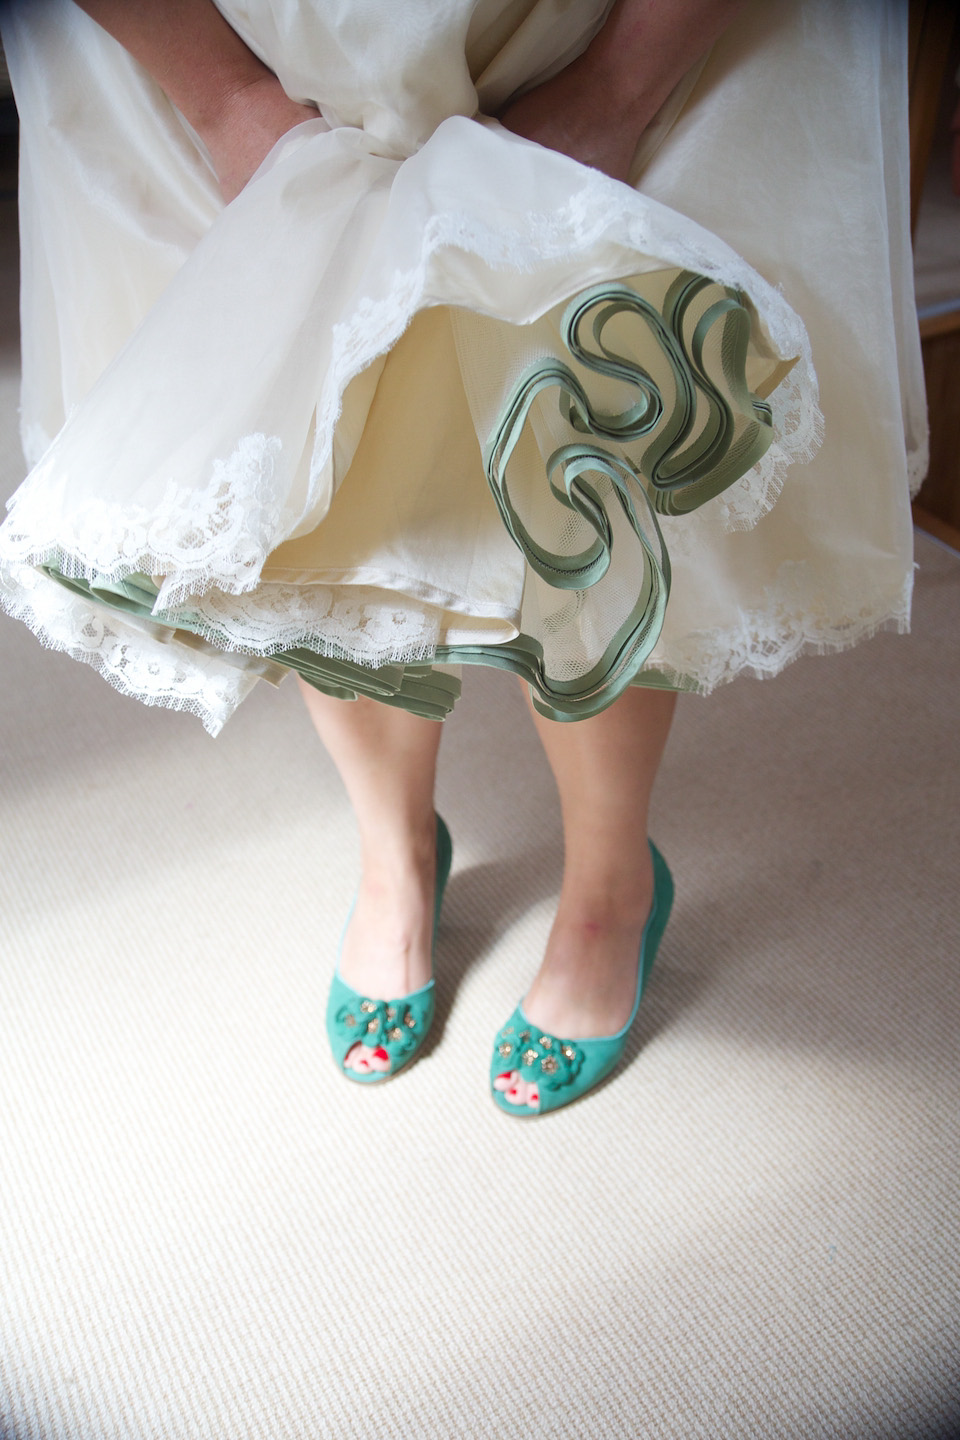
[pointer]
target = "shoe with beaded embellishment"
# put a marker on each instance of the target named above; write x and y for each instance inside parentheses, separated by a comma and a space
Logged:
(543, 1072)
(393, 1031)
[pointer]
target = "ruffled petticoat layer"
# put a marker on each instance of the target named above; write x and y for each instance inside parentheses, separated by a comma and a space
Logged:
(427, 394)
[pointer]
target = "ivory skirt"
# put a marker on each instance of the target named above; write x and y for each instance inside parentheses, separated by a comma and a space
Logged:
(427, 394)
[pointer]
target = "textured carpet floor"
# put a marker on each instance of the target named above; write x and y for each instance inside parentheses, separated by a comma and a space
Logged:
(751, 1231)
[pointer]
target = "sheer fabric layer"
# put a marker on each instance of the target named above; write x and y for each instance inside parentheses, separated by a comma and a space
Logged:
(279, 519)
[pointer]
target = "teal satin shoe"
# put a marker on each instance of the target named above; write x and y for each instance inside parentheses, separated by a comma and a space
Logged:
(394, 1029)
(563, 1070)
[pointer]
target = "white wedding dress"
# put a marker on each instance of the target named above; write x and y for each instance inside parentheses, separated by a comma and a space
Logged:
(427, 394)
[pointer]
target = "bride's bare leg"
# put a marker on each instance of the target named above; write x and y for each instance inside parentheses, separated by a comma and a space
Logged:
(605, 769)
(387, 760)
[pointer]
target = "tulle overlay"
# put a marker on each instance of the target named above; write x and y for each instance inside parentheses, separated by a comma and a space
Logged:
(424, 394)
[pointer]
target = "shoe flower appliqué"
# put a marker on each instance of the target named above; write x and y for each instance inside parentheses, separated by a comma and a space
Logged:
(394, 1024)
(539, 1057)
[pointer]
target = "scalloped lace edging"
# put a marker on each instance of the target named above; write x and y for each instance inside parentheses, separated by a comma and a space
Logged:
(216, 536)
(137, 663)
(359, 623)
(376, 325)
(767, 640)
(130, 659)
(798, 434)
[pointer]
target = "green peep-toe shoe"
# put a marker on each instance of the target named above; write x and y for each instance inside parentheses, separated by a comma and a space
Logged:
(393, 1029)
(560, 1071)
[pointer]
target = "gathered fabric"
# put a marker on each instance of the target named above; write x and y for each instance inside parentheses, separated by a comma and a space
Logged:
(427, 394)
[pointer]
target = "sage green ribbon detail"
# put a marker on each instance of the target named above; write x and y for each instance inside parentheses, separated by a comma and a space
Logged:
(670, 455)
(571, 463)
(669, 459)
(737, 427)
(419, 688)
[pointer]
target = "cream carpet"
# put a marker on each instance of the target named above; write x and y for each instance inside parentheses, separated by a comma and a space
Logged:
(751, 1231)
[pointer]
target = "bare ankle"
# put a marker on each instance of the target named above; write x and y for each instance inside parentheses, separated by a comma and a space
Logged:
(406, 849)
(600, 903)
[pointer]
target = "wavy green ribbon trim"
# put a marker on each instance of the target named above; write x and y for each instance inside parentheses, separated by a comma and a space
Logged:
(420, 689)
(676, 471)
(670, 459)
(680, 480)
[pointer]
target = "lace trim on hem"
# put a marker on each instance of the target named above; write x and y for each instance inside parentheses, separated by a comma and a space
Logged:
(798, 428)
(158, 673)
(133, 662)
(354, 623)
(761, 648)
(219, 536)
(555, 238)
